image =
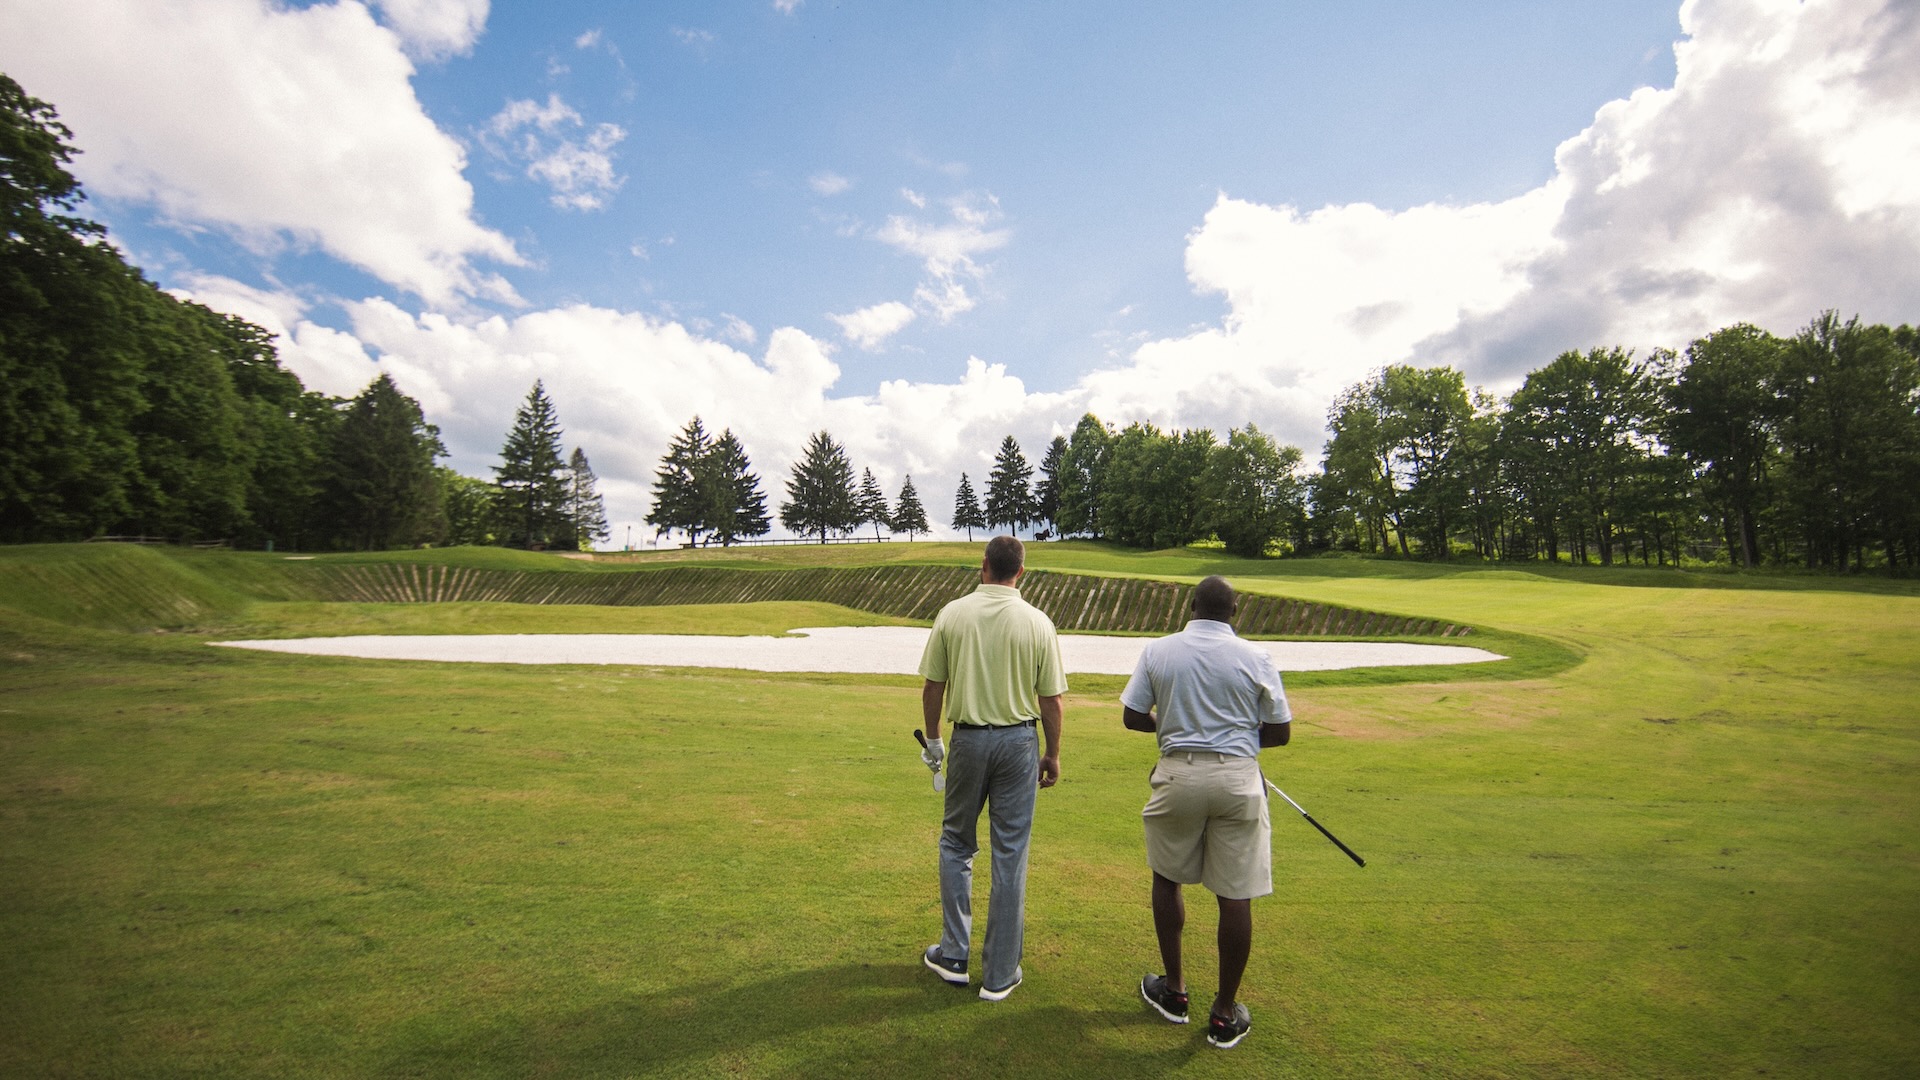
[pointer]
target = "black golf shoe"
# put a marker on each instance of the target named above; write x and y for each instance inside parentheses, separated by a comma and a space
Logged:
(953, 971)
(1169, 1003)
(1227, 1031)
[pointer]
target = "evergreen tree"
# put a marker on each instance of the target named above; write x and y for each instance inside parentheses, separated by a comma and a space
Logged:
(966, 509)
(736, 507)
(1046, 494)
(820, 494)
(383, 489)
(586, 513)
(1009, 496)
(678, 499)
(873, 503)
(908, 515)
(531, 474)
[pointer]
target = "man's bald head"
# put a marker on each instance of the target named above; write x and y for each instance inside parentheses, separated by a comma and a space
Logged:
(1006, 557)
(1214, 599)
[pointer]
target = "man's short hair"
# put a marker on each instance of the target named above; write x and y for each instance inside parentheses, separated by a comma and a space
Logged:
(1005, 556)
(1213, 599)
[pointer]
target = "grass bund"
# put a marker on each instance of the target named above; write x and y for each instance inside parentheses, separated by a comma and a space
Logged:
(1677, 835)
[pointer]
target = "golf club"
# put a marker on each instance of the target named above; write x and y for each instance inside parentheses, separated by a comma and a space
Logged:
(940, 778)
(1315, 824)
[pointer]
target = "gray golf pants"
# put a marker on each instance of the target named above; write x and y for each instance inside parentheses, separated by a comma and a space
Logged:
(998, 767)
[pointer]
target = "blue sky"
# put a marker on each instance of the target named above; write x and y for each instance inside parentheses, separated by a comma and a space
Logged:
(926, 226)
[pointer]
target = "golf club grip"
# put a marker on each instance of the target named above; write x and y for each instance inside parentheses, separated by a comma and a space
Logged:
(1335, 839)
(921, 738)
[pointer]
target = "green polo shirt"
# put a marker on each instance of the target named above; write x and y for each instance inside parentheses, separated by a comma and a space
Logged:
(998, 656)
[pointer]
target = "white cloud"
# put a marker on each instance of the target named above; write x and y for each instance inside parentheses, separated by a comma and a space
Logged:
(624, 383)
(738, 330)
(435, 29)
(166, 103)
(871, 326)
(580, 171)
(1776, 178)
(587, 40)
(787, 7)
(947, 251)
(828, 183)
(694, 38)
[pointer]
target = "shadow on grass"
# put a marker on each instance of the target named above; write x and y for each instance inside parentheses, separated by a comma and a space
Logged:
(847, 1020)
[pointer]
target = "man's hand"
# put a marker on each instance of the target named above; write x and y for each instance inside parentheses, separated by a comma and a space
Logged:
(934, 754)
(1049, 770)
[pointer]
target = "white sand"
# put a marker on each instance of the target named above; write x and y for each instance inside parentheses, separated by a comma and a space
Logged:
(886, 650)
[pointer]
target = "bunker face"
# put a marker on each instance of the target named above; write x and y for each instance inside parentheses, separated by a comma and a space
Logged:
(878, 650)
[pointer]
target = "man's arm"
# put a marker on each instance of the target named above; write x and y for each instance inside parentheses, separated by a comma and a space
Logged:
(1136, 720)
(1051, 712)
(1275, 734)
(931, 696)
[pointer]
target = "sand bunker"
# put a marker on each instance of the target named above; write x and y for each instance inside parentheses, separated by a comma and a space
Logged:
(882, 650)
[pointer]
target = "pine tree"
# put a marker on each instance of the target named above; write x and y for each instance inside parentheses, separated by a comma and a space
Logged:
(820, 494)
(1047, 491)
(531, 474)
(586, 513)
(873, 503)
(382, 488)
(966, 509)
(736, 507)
(908, 515)
(678, 501)
(1009, 498)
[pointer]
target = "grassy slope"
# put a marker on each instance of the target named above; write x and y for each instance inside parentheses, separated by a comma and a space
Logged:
(1692, 854)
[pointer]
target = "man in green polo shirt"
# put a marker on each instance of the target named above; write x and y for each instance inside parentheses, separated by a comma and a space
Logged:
(993, 660)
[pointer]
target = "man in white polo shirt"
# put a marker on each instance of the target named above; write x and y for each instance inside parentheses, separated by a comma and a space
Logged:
(1214, 701)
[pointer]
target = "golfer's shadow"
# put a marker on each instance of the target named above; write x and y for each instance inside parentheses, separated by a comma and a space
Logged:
(878, 1019)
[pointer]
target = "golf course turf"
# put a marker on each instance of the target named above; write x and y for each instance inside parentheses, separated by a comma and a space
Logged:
(1678, 834)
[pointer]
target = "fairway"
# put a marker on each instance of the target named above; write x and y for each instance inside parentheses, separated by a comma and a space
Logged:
(1677, 835)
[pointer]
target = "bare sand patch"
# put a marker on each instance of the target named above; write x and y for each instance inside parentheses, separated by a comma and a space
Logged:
(876, 650)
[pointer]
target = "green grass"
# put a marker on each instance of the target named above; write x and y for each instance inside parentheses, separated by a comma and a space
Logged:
(1686, 842)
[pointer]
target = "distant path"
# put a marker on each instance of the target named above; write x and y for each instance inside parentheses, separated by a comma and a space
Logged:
(883, 650)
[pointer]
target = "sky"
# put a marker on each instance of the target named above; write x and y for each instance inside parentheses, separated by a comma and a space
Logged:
(924, 227)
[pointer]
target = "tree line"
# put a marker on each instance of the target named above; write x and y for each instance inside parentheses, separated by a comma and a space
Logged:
(1763, 450)
(126, 411)
(1749, 447)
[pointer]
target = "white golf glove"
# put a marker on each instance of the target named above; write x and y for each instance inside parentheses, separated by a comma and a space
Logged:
(934, 754)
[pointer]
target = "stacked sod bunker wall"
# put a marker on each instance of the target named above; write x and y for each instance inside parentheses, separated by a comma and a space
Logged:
(1073, 601)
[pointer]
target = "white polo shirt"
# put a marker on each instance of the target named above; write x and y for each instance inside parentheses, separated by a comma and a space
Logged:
(1213, 690)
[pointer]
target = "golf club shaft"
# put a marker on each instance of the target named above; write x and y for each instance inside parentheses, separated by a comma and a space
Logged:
(922, 738)
(1323, 829)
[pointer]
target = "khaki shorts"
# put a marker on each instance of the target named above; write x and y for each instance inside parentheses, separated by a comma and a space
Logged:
(1207, 824)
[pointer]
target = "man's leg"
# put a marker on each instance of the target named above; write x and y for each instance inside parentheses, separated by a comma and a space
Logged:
(1169, 919)
(1011, 790)
(1236, 942)
(966, 792)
